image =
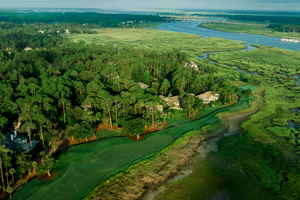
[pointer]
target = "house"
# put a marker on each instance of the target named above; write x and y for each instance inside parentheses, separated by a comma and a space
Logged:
(208, 97)
(160, 108)
(191, 64)
(13, 140)
(173, 102)
(57, 31)
(40, 31)
(67, 31)
(7, 49)
(143, 86)
(27, 49)
(191, 94)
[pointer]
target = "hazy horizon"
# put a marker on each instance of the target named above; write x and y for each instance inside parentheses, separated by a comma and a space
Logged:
(265, 5)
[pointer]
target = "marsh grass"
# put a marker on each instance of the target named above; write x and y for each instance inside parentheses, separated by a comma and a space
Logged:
(159, 41)
(260, 30)
(221, 172)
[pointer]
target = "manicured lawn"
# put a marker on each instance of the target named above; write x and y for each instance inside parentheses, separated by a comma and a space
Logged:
(84, 166)
(106, 133)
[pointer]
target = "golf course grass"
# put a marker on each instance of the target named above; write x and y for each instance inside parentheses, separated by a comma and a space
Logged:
(84, 166)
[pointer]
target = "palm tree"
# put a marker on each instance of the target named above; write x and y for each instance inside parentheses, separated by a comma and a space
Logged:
(41, 120)
(170, 114)
(42, 154)
(119, 130)
(12, 171)
(152, 106)
(181, 83)
(9, 191)
(2, 177)
(34, 165)
(54, 145)
(64, 102)
(28, 126)
(165, 85)
(7, 163)
(106, 103)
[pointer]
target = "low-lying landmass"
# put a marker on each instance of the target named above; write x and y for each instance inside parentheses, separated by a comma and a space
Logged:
(250, 28)
(106, 113)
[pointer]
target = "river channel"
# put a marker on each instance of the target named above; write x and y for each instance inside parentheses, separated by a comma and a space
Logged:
(249, 39)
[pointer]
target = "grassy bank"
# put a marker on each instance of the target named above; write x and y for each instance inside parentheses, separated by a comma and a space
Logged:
(260, 30)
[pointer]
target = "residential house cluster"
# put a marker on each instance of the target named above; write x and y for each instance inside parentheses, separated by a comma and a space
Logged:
(207, 97)
(174, 101)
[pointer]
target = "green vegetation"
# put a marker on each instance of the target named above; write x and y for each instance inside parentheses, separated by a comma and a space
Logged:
(268, 153)
(44, 30)
(74, 87)
(103, 19)
(251, 29)
(221, 172)
(108, 157)
(77, 81)
(288, 23)
(281, 93)
(159, 41)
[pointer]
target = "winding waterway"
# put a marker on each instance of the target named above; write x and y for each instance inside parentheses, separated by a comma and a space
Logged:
(249, 39)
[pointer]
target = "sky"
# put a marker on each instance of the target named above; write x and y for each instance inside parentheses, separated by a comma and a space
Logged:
(270, 5)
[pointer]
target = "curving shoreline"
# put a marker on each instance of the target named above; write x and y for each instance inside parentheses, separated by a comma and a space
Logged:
(206, 146)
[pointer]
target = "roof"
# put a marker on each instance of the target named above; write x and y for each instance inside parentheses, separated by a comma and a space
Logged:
(175, 100)
(143, 86)
(13, 141)
(207, 95)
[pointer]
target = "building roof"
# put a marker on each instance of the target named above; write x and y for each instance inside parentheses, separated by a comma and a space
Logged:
(143, 86)
(208, 96)
(13, 141)
(27, 48)
(174, 100)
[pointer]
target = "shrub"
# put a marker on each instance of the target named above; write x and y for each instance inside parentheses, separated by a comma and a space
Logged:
(292, 141)
(280, 131)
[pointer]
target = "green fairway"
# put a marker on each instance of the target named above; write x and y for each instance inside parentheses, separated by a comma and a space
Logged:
(84, 166)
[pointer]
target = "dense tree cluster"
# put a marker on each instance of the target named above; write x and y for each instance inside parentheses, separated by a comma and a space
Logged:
(287, 23)
(285, 27)
(77, 86)
(278, 23)
(104, 19)
(43, 30)
(16, 37)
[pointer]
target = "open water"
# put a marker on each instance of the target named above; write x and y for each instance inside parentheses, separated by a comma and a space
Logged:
(249, 39)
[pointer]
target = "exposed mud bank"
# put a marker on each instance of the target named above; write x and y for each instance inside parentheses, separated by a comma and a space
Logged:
(206, 146)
